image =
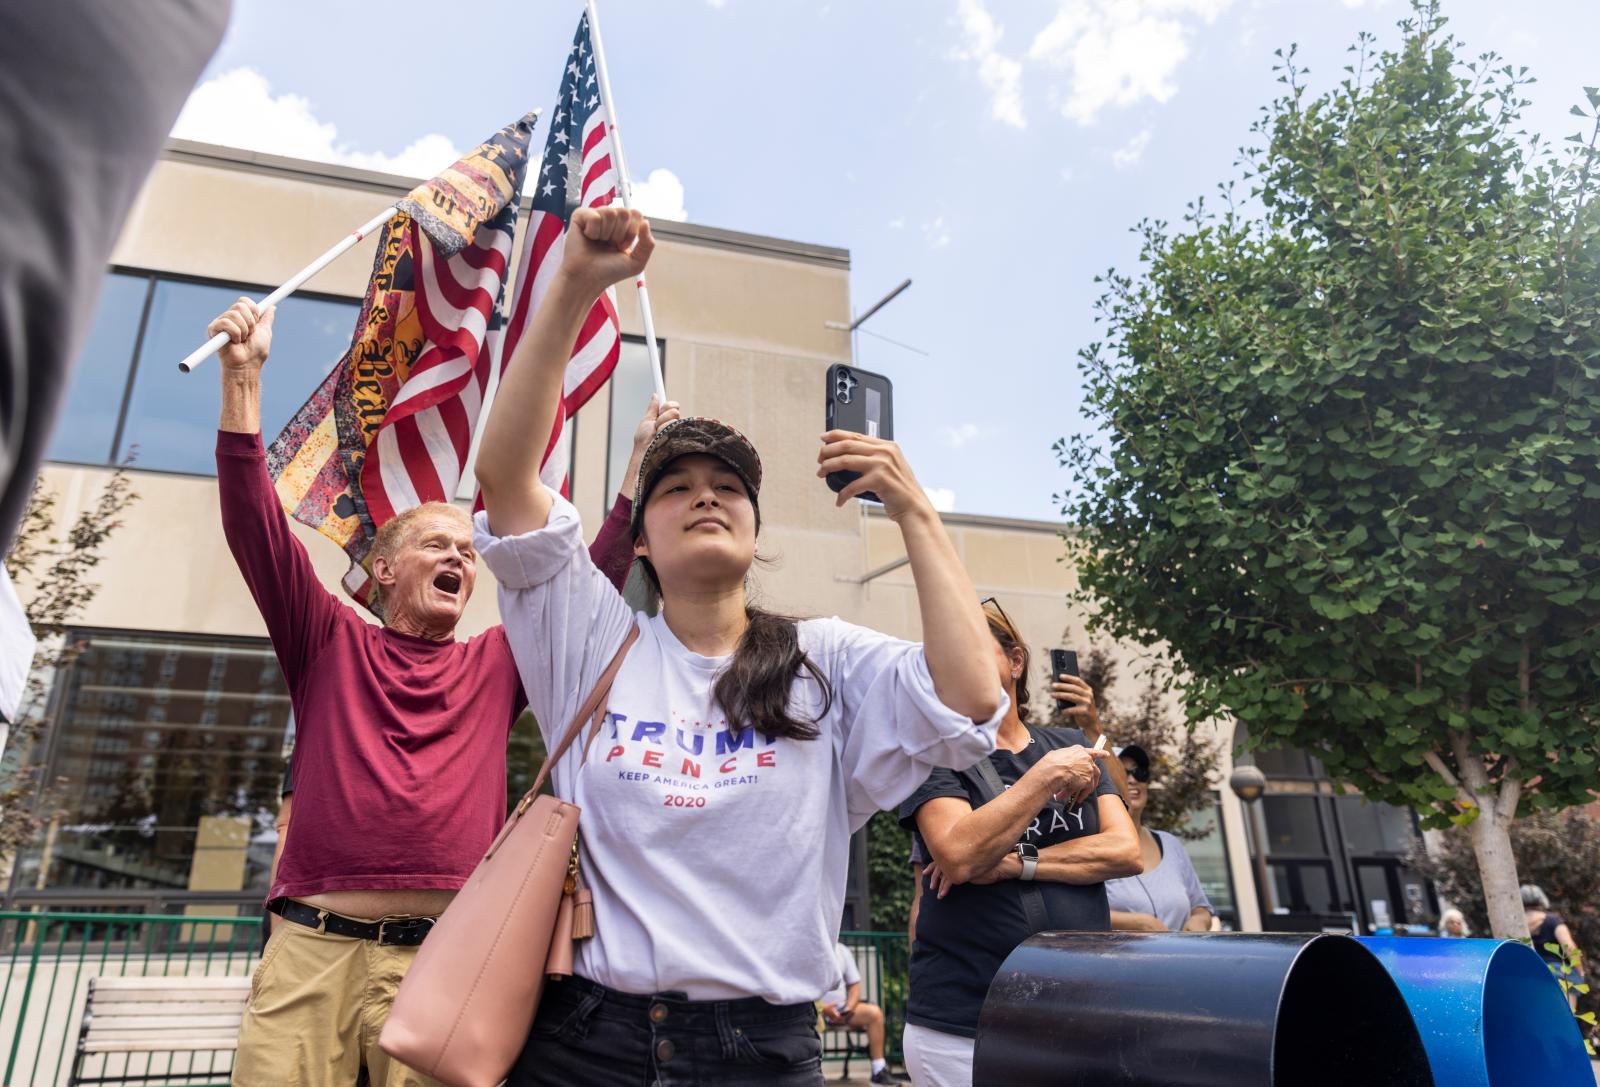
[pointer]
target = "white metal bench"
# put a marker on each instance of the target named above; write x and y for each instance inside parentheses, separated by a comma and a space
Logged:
(155, 1015)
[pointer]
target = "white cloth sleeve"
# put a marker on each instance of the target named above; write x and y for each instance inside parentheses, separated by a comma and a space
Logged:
(563, 619)
(847, 963)
(893, 728)
(1191, 878)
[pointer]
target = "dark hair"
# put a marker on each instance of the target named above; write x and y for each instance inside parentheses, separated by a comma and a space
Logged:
(1006, 633)
(753, 690)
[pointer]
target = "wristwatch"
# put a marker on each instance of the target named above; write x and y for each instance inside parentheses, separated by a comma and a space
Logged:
(1029, 855)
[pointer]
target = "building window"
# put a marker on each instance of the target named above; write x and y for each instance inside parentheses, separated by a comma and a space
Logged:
(1284, 762)
(1375, 828)
(1294, 826)
(93, 404)
(1303, 887)
(128, 392)
(1210, 856)
(632, 385)
(167, 750)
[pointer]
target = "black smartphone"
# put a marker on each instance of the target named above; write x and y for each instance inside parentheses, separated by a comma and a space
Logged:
(1063, 662)
(862, 402)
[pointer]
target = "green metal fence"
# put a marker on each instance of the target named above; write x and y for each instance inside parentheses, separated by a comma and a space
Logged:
(883, 959)
(47, 959)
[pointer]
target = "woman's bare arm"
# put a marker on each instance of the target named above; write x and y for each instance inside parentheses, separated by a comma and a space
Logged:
(1094, 858)
(603, 245)
(966, 841)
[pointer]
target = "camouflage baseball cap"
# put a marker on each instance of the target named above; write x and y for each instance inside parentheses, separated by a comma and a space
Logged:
(696, 434)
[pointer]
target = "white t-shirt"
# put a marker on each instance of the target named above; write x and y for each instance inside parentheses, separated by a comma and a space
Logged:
(717, 863)
(847, 968)
(16, 653)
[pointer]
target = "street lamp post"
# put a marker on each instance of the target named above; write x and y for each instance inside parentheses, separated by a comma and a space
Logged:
(1249, 784)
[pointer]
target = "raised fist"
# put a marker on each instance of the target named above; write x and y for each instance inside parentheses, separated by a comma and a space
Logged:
(249, 332)
(605, 246)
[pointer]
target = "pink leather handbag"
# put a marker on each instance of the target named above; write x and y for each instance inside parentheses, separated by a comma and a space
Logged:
(464, 1009)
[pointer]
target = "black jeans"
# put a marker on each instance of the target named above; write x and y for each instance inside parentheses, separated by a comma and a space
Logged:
(587, 1035)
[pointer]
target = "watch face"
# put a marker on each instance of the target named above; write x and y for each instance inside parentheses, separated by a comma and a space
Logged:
(1027, 851)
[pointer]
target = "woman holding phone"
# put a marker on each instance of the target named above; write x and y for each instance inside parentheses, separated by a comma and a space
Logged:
(1020, 843)
(740, 749)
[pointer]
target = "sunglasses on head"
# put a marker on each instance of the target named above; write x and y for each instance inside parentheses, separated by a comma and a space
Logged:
(999, 613)
(991, 602)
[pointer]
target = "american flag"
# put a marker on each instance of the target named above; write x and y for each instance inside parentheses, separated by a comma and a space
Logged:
(421, 449)
(391, 426)
(577, 171)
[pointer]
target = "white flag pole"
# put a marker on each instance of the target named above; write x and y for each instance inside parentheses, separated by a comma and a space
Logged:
(215, 343)
(625, 188)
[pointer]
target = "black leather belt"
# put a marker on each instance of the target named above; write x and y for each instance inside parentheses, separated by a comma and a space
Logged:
(396, 932)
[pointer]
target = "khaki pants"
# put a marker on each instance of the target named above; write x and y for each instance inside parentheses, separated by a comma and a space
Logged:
(317, 1004)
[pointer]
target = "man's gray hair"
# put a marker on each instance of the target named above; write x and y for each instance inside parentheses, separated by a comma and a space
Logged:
(1534, 898)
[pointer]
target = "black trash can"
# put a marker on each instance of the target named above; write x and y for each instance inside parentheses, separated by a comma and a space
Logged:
(1094, 1009)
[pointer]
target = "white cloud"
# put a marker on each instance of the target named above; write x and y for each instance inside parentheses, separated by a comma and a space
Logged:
(1132, 151)
(718, 3)
(935, 233)
(957, 436)
(1119, 52)
(943, 498)
(238, 109)
(1002, 75)
(897, 223)
(660, 196)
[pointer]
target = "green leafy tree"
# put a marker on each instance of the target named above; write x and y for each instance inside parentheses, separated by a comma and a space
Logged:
(1352, 468)
(889, 884)
(1183, 762)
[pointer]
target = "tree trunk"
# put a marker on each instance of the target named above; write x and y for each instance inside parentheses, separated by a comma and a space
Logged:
(1497, 867)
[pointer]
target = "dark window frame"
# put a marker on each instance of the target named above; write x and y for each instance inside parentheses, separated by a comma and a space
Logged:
(153, 277)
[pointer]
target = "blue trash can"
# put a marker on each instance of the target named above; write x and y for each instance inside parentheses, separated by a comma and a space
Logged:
(1489, 1011)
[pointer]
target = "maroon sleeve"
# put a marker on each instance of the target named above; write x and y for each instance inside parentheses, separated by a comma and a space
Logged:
(300, 614)
(612, 550)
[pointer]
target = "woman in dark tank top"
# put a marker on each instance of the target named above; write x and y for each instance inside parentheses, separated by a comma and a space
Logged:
(1548, 928)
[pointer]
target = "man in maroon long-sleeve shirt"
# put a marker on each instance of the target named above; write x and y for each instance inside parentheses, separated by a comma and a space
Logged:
(400, 749)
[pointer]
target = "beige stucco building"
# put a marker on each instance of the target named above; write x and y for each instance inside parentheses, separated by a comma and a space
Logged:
(173, 731)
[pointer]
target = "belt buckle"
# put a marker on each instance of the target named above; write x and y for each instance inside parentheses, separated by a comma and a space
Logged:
(405, 932)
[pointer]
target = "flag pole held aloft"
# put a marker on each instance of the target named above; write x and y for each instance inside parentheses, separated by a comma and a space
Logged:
(626, 191)
(345, 244)
(391, 425)
(448, 207)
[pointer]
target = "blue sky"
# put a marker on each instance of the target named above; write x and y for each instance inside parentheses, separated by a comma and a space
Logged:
(994, 151)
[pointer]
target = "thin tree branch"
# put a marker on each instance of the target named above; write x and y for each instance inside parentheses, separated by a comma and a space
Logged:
(1439, 767)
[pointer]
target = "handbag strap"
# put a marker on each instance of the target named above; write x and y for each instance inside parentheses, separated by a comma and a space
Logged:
(989, 788)
(593, 706)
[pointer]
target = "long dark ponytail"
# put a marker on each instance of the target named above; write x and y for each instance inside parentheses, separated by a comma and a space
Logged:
(753, 689)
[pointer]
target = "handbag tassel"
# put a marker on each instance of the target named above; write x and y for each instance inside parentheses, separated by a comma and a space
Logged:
(582, 915)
